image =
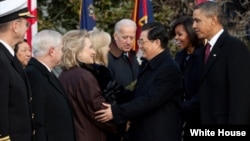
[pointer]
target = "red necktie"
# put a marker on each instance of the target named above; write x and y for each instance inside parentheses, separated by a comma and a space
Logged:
(207, 52)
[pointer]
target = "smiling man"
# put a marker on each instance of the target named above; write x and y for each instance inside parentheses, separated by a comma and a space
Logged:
(154, 110)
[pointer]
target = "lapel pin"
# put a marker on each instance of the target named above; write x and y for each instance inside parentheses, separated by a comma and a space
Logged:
(214, 55)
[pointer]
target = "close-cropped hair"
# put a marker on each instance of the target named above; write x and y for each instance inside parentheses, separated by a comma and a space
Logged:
(5, 26)
(156, 31)
(17, 45)
(73, 42)
(210, 8)
(44, 40)
(100, 39)
(187, 23)
(122, 23)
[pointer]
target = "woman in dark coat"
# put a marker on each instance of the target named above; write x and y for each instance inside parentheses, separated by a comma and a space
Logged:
(190, 62)
(82, 87)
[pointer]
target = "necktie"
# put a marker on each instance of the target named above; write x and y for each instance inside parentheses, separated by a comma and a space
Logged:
(207, 52)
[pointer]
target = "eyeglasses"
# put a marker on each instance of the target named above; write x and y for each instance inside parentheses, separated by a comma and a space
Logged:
(140, 42)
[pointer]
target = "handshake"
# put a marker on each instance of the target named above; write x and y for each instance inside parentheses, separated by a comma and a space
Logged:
(112, 92)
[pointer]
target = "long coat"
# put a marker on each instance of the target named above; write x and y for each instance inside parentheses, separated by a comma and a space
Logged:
(52, 113)
(86, 98)
(154, 111)
(191, 67)
(15, 119)
(225, 83)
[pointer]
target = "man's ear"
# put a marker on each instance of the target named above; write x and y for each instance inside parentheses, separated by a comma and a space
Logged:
(157, 42)
(51, 51)
(14, 26)
(214, 19)
(115, 36)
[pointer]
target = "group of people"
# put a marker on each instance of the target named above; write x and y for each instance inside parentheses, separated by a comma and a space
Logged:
(104, 94)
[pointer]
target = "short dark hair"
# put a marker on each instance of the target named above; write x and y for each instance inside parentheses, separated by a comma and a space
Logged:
(156, 31)
(17, 45)
(187, 23)
(210, 8)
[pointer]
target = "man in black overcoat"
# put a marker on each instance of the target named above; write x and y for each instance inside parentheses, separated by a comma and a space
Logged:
(224, 85)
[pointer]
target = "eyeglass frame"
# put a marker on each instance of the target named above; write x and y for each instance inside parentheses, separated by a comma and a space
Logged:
(141, 42)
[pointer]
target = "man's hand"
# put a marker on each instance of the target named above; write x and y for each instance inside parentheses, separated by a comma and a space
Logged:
(104, 115)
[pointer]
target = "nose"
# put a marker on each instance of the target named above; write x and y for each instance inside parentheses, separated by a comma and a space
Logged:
(29, 53)
(175, 37)
(194, 25)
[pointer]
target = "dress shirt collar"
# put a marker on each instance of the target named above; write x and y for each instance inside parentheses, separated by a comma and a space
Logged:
(213, 40)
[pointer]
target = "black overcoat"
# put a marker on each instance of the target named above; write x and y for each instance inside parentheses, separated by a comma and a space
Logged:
(53, 120)
(154, 111)
(225, 83)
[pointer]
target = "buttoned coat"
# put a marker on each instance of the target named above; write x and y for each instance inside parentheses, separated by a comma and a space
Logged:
(15, 119)
(154, 111)
(53, 120)
(225, 83)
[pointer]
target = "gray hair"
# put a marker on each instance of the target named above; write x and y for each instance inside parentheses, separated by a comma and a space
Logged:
(43, 40)
(211, 8)
(124, 22)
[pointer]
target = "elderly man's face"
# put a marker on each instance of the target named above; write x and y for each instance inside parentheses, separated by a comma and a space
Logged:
(125, 38)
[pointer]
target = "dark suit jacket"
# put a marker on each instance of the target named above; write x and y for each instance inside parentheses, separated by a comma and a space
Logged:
(53, 116)
(15, 119)
(225, 83)
(154, 112)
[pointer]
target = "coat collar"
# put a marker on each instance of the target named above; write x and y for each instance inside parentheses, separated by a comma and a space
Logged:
(114, 50)
(52, 78)
(155, 62)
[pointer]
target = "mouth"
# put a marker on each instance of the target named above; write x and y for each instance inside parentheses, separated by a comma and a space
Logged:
(178, 43)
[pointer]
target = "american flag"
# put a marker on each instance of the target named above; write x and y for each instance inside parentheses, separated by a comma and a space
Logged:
(32, 6)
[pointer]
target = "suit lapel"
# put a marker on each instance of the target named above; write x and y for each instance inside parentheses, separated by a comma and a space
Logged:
(54, 81)
(214, 55)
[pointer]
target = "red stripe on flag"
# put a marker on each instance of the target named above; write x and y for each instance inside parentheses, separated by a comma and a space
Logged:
(32, 21)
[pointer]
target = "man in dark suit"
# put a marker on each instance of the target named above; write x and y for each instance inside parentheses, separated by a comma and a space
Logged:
(224, 85)
(154, 111)
(53, 120)
(15, 97)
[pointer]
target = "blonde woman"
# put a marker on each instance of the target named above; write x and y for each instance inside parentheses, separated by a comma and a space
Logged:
(100, 42)
(82, 87)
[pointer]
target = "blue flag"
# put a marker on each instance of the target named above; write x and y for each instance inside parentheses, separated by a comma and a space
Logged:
(87, 17)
